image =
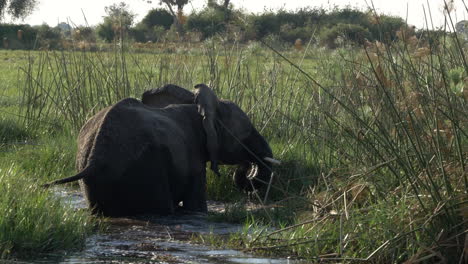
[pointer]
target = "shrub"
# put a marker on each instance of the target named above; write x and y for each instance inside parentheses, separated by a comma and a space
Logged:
(47, 37)
(33, 221)
(290, 34)
(10, 32)
(347, 15)
(384, 28)
(158, 17)
(11, 131)
(347, 32)
(139, 32)
(116, 23)
(105, 31)
(266, 23)
(208, 21)
(301, 17)
(84, 34)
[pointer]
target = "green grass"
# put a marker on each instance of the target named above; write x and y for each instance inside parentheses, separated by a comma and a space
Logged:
(33, 221)
(11, 132)
(46, 159)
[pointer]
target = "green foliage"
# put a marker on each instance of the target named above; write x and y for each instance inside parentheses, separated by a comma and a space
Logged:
(265, 24)
(290, 34)
(17, 8)
(139, 33)
(10, 32)
(304, 24)
(300, 18)
(80, 90)
(222, 188)
(119, 15)
(209, 22)
(83, 33)
(47, 37)
(56, 158)
(157, 33)
(11, 132)
(106, 31)
(33, 220)
(345, 33)
(457, 81)
(116, 23)
(153, 26)
(385, 27)
(158, 17)
(347, 15)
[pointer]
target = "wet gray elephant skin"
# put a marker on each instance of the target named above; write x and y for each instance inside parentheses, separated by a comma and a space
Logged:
(208, 105)
(138, 157)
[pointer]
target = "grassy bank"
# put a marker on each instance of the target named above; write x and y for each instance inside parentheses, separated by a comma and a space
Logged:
(33, 220)
(373, 139)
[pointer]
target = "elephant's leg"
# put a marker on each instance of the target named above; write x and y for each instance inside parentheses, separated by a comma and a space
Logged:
(157, 173)
(195, 197)
(144, 187)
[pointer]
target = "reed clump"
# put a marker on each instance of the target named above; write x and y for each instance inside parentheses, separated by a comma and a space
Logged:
(32, 221)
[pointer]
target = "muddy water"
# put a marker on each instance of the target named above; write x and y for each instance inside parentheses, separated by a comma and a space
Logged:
(151, 239)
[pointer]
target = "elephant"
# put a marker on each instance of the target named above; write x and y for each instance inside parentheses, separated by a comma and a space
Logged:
(138, 157)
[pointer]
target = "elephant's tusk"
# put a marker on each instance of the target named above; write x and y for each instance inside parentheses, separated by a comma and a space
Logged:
(272, 160)
(253, 173)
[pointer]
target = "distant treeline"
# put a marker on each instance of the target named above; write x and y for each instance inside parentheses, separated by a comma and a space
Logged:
(324, 27)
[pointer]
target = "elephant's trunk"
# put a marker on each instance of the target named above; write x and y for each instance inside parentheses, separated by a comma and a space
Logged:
(256, 172)
(272, 160)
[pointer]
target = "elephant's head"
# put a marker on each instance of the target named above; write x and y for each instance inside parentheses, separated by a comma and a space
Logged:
(231, 137)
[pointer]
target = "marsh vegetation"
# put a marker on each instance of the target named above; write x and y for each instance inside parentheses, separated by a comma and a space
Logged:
(373, 141)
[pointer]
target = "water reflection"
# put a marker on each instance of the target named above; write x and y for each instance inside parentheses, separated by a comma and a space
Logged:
(152, 239)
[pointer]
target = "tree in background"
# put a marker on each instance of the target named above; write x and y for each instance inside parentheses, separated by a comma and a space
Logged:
(84, 33)
(208, 22)
(178, 17)
(223, 7)
(117, 22)
(16, 8)
(158, 17)
(9, 32)
(153, 26)
(214, 3)
(344, 33)
(48, 37)
(217, 17)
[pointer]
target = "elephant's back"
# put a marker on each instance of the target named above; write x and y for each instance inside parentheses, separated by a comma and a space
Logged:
(86, 138)
(108, 132)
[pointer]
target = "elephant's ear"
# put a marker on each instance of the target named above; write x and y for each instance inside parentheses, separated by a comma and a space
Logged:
(207, 103)
(234, 119)
(166, 95)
